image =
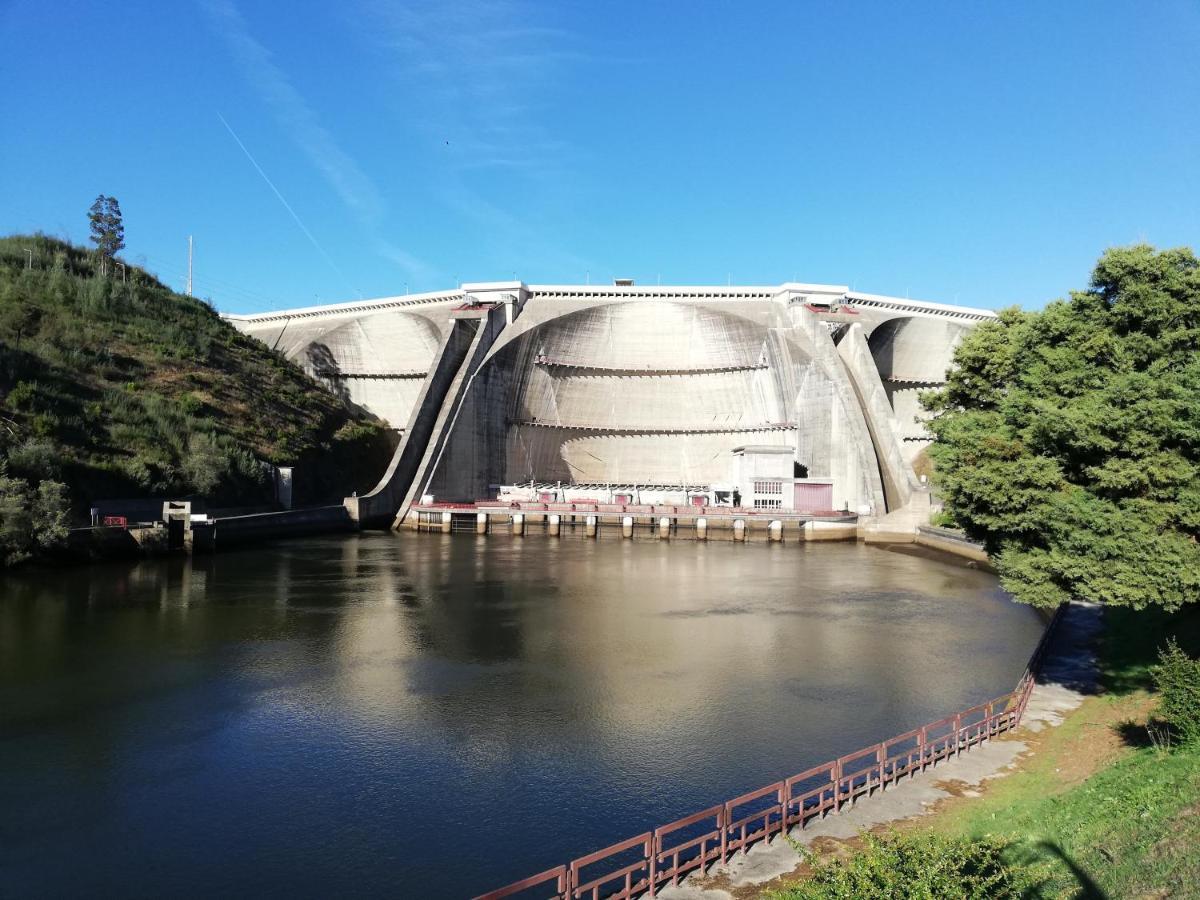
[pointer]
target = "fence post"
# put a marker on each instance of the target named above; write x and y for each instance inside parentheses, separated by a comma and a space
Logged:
(723, 818)
(780, 795)
(648, 852)
(880, 756)
(921, 747)
(655, 842)
(957, 735)
(837, 786)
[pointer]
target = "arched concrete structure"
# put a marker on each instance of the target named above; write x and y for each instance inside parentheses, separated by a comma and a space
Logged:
(912, 354)
(502, 383)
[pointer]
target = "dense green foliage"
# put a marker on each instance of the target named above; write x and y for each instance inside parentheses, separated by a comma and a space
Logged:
(1177, 679)
(920, 867)
(32, 519)
(1068, 440)
(124, 388)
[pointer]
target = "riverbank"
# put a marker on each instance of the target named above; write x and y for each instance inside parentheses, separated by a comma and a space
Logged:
(1092, 804)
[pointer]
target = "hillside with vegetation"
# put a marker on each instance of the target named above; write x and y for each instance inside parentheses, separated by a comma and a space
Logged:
(113, 385)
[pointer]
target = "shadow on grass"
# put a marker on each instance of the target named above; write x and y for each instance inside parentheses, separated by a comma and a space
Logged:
(1143, 735)
(1085, 886)
(1088, 889)
(1132, 639)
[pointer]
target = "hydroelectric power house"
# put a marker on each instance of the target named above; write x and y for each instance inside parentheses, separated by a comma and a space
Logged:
(796, 397)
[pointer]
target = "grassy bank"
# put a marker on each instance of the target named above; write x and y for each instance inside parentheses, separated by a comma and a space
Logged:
(118, 386)
(1100, 807)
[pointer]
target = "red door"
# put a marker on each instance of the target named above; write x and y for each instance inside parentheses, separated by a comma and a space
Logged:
(813, 497)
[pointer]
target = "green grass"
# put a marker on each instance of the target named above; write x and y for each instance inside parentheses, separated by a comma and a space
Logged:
(124, 388)
(1098, 810)
(1131, 828)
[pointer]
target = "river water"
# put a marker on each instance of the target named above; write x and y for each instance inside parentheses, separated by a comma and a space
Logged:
(430, 716)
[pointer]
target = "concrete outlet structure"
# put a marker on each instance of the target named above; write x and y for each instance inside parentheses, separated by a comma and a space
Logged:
(798, 397)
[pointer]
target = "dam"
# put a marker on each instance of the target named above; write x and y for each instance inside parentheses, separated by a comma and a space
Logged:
(796, 398)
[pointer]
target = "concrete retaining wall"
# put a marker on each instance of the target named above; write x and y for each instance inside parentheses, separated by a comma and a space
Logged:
(949, 541)
(237, 530)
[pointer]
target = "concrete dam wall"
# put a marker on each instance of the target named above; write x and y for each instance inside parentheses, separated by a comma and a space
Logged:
(760, 394)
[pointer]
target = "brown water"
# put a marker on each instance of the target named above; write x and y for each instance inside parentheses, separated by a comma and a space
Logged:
(433, 716)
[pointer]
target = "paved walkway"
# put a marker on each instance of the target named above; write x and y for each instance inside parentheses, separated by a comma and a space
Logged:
(1068, 674)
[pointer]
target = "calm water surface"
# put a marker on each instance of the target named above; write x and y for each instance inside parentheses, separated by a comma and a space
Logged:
(433, 716)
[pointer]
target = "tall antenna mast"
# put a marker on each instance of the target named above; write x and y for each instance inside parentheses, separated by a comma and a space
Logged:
(189, 280)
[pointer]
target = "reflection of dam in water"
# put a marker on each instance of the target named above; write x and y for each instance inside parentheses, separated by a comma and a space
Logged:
(328, 714)
(577, 391)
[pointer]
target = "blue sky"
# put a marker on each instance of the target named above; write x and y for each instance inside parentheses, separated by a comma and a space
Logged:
(976, 153)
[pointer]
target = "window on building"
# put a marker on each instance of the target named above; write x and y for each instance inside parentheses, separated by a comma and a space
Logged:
(761, 503)
(768, 487)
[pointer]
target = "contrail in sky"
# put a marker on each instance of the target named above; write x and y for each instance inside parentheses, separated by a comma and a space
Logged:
(287, 205)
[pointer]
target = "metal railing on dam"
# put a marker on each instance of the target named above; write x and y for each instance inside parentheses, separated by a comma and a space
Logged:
(641, 865)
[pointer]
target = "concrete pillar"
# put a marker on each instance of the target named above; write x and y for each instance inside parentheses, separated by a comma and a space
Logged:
(702, 529)
(589, 526)
(518, 523)
(739, 529)
(627, 526)
(775, 530)
(555, 523)
(447, 518)
(664, 527)
(481, 523)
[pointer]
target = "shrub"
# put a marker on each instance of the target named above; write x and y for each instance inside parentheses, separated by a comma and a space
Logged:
(35, 458)
(1177, 677)
(16, 524)
(30, 520)
(918, 866)
(206, 463)
(49, 513)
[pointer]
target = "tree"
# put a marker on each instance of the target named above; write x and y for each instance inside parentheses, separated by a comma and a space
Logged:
(50, 509)
(16, 521)
(1068, 440)
(30, 521)
(108, 229)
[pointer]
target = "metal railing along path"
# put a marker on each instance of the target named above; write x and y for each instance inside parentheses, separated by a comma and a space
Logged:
(641, 865)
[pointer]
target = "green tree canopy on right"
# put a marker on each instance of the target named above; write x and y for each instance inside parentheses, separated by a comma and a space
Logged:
(1068, 440)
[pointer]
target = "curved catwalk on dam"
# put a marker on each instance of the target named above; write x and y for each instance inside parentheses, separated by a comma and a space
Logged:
(796, 397)
(365, 715)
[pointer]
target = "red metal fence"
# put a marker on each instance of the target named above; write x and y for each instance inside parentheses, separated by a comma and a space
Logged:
(641, 865)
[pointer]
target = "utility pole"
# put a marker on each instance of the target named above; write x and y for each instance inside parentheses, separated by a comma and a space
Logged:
(189, 279)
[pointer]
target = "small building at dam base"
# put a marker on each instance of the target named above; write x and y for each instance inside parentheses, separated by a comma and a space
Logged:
(800, 398)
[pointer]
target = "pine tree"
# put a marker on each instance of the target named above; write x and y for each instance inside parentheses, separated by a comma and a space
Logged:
(1068, 440)
(108, 229)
